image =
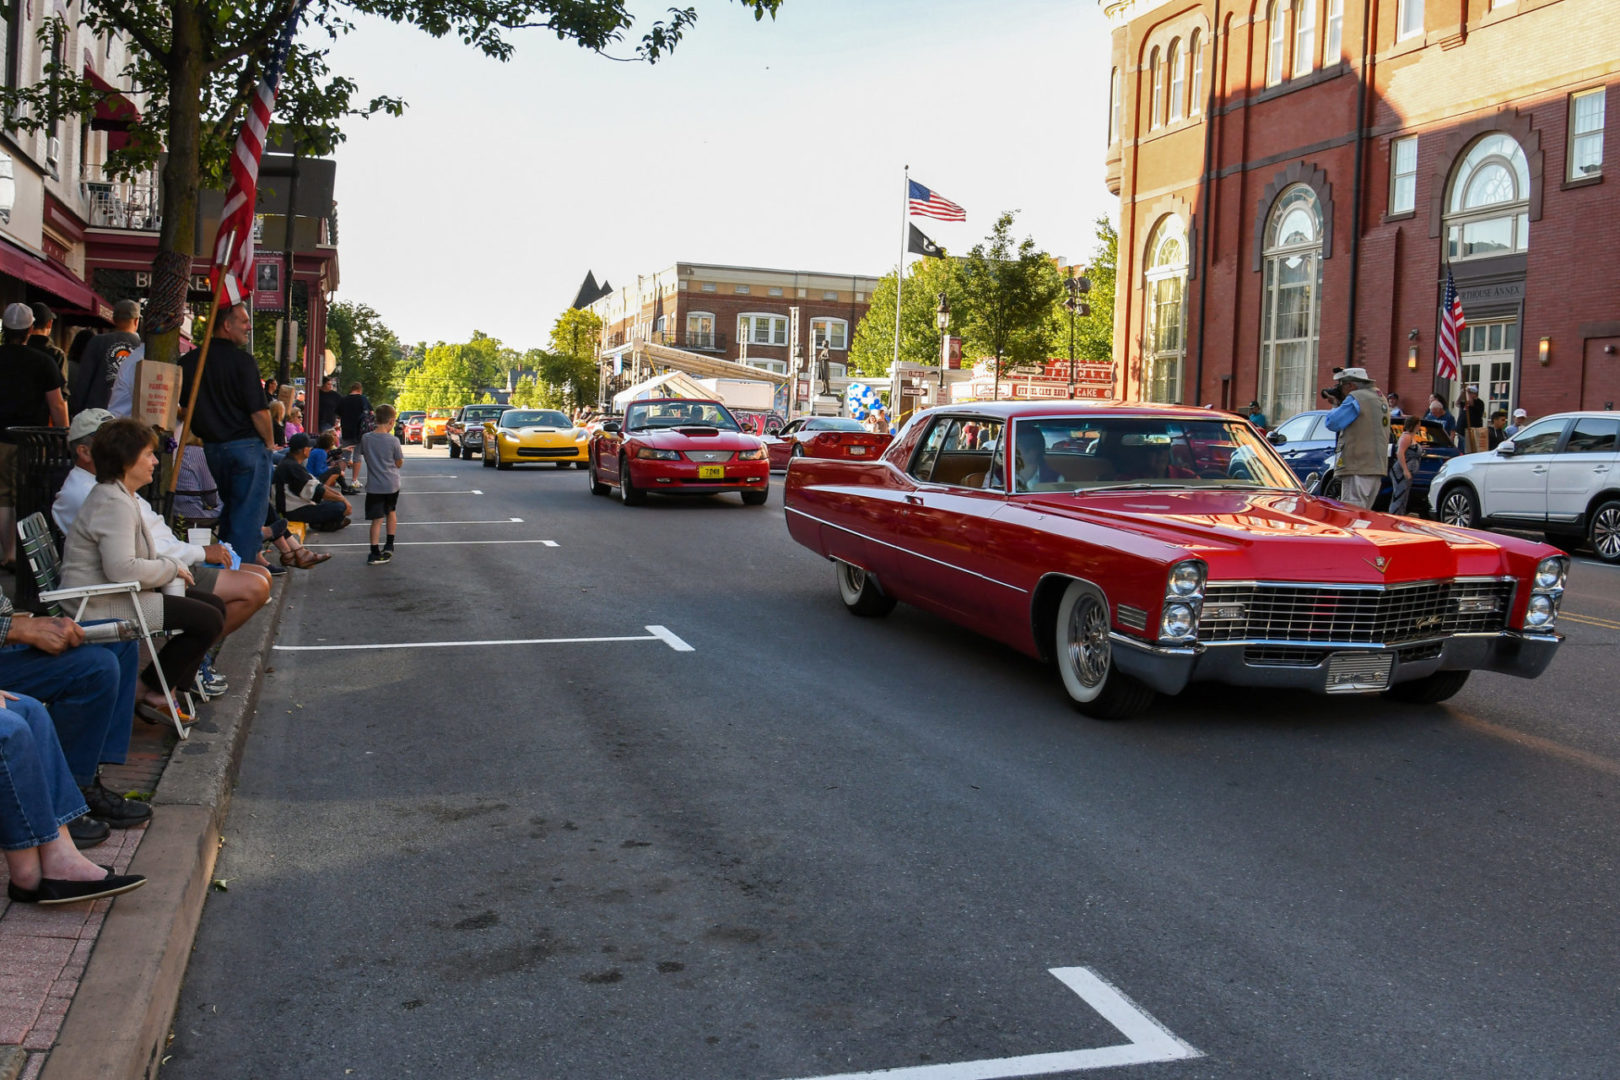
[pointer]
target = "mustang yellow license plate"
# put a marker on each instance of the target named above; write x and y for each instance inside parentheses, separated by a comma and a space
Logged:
(711, 472)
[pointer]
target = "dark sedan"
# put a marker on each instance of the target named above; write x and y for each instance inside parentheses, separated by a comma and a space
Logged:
(1306, 444)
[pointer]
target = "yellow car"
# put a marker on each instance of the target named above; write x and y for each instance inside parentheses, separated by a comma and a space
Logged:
(532, 436)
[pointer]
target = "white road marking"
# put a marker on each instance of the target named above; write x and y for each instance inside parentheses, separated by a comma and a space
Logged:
(438, 543)
(469, 491)
(491, 521)
(1149, 1041)
(656, 633)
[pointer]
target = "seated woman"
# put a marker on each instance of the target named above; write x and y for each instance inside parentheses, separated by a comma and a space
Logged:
(110, 542)
(37, 797)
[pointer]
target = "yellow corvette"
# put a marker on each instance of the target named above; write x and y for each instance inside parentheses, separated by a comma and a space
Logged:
(532, 436)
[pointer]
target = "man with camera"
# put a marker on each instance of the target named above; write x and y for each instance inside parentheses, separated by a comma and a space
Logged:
(1361, 419)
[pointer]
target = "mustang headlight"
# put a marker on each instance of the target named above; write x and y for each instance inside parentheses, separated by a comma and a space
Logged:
(648, 453)
(756, 454)
(1550, 572)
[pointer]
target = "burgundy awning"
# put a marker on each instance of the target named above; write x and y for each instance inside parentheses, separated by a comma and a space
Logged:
(47, 276)
(115, 113)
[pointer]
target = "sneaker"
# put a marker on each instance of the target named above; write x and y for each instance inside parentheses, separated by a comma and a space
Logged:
(375, 558)
(112, 809)
(210, 683)
(387, 555)
(87, 832)
(276, 571)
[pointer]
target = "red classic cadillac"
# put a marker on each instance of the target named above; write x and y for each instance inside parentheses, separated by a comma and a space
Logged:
(677, 446)
(1146, 547)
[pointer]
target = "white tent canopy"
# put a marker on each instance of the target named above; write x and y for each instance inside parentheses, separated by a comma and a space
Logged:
(669, 384)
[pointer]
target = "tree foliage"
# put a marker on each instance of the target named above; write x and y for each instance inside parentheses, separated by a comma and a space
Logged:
(1094, 333)
(367, 351)
(450, 376)
(1009, 289)
(872, 349)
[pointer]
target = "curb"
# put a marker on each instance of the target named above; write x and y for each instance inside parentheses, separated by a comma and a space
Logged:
(118, 1025)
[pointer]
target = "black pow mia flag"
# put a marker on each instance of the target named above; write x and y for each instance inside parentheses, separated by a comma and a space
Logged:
(921, 245)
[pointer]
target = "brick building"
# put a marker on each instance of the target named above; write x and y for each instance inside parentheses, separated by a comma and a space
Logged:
(737, 313)
(1298, 176)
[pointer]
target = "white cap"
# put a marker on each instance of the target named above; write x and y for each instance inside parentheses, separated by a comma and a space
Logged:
(18, 317)
(1471, 388)
(88, 423)
(1519, 412)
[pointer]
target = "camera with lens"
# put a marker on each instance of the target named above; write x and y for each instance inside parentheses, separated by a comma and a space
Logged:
(1333, 393)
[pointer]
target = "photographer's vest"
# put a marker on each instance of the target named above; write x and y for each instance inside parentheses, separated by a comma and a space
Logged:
(1364, 445)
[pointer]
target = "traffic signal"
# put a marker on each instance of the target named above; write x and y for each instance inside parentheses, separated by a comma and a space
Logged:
(1078, 287)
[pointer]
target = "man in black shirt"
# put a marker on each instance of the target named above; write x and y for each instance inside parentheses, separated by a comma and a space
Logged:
(354, 413)
(40, 338)
(301, 497)
(30, 396)
(103, 356)
(233, 422)
(329, 398)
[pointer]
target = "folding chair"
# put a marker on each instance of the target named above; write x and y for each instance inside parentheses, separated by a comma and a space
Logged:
(38, 549)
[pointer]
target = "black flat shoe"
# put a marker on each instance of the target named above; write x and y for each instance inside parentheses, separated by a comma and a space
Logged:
(51, 891)
(87, 832)
(113, 809)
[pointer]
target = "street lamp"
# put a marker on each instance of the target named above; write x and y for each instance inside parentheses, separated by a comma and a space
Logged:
(944, 316)
(1078, 287)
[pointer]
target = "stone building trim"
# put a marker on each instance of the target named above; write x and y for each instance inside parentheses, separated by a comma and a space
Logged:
(1159, 209)
(1300, 172)
(1509, 122)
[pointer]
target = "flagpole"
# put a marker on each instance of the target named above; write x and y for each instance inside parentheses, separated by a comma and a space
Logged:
(899, 286)
(196, 388)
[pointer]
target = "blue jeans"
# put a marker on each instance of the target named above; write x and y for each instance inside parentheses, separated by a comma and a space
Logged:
(241, 471)
(91, 691)
(37, 793)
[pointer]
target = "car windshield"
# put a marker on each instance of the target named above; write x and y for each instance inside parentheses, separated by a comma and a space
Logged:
(669, 414)
(1097, 453)
(520, 418)
(834, 423)
(487, 412)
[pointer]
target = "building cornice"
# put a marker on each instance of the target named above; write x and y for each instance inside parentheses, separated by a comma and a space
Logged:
(1120, 12)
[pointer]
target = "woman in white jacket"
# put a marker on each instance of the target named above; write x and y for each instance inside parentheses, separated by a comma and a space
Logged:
(110, 542)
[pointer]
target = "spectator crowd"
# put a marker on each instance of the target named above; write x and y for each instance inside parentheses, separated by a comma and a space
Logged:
(199, 554)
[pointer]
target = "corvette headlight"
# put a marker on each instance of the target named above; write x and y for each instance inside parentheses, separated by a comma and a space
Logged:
(1550, 572)
(648, 453)
(756, 454)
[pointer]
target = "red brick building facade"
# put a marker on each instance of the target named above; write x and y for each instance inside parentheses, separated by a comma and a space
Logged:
(1297, 177)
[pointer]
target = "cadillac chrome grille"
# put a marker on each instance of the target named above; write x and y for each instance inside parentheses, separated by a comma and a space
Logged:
(1381, 615)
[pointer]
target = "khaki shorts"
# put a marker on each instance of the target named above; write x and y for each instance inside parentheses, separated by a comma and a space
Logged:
(8, 479)
(206, 576)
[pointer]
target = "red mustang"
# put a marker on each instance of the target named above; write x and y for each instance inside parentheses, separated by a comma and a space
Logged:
(677, 446)
(1146, 547)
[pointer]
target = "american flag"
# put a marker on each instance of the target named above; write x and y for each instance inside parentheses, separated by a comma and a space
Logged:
(233, 249)
(925, 203)
(1451, 328)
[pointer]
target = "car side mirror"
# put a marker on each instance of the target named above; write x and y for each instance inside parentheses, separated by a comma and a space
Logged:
(1507, 449)
(1311, 481)
(611, 427)
(1276, 438)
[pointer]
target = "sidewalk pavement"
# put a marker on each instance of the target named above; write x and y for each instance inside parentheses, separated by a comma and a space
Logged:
(90, 990)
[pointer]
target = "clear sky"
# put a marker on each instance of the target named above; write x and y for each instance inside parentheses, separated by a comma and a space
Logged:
(777, 144)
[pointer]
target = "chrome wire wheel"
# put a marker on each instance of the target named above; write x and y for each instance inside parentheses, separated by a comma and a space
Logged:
(1087, 642)
(1606, 532)
(1085, 657)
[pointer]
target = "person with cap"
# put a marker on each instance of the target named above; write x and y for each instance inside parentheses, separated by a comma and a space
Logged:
(1257, 416)
(1396, 415)
(1471, 418)
(44, 319)
(233, 422)
(1362, 422)
(1520, 419)
(299, 496)
(104, 357)
(30, 396)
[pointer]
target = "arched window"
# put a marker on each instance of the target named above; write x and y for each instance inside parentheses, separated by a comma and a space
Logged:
(1488, 206)
(1157, 109)
(1305, 37)
(1279, 42)
(1166, 312)
(1113, 107)
(1195, 63)
(1292, 303)
(1177, 80)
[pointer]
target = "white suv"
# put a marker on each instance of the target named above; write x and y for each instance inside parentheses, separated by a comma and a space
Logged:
(1560, 474)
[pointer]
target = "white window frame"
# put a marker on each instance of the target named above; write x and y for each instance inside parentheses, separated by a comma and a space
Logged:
(1164, 273)
(1333, 41)
(1590, 136)
(1397, 174)
(1156, 80)
(829, 294)
(690, 332)
(1178, 83)
(1304, 37)
(829, 324)
(775, 290)
(708, 286)
(740, 290)
(1277, 49)
(1274, 257)
(1113, 107)
(1195, 81)
(1516, 212)
(1408, 19)
(776, 336)
(778, 366)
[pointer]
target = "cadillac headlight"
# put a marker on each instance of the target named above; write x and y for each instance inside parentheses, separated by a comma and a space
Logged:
(1551, 572)
(648, 453)
(1187, 578)
(1542, 611)
(1178, 621)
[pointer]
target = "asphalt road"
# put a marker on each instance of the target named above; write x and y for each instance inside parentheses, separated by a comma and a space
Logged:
(816, 844)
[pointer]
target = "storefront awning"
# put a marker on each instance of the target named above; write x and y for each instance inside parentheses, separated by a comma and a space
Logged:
(48, 277)
(114, 112)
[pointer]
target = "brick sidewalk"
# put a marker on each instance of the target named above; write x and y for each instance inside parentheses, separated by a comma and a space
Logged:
(43, 951)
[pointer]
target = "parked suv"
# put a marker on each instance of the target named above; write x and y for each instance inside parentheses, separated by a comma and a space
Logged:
(465, 431)
(1560, 474)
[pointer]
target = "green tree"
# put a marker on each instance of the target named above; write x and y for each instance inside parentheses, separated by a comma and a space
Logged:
(199, 62)
(450, 376)
(872, 349)
(367, 351)
(569, 368)
(1093, 333)
(526, 394)
(1008, 292)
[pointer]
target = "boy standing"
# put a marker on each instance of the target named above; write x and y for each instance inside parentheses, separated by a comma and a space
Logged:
(384, 458)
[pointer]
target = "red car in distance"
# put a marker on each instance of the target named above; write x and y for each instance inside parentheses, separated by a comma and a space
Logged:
(1145, 548)
(412, 423)
(677, 446)
(818, 436)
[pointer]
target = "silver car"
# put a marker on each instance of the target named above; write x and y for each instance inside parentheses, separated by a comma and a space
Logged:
(1559, 474)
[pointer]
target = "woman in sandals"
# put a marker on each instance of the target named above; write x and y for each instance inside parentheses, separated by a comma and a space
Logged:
(109, 542)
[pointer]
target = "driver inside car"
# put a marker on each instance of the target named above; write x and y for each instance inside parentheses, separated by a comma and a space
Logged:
(1029, 459)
